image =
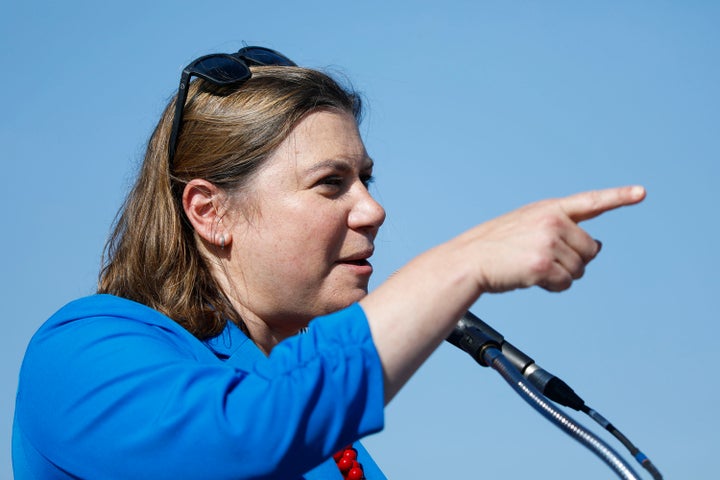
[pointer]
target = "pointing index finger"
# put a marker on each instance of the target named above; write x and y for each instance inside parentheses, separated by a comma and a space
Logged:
(587, 205)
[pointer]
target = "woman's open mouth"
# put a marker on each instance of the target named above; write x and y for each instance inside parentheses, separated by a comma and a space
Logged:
(359, 266)
(359, 262)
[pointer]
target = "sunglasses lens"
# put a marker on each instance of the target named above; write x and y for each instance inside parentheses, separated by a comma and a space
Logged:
(221, 69)
(265, 56)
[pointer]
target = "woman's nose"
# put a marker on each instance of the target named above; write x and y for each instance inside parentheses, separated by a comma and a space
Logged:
(366, 213)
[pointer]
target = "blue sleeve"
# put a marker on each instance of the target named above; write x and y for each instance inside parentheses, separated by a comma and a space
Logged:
(109, 397)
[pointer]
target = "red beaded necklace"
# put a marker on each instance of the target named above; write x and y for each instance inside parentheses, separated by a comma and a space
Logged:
(346, 460)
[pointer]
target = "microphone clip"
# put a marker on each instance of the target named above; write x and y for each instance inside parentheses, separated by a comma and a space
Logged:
(474, 341)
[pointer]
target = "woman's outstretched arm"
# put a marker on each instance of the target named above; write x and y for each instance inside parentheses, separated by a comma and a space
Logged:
(539, 244)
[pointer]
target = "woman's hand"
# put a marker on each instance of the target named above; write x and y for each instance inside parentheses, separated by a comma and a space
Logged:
(541, 243)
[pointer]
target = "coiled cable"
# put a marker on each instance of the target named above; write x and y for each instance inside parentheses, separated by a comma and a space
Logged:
(494, 358)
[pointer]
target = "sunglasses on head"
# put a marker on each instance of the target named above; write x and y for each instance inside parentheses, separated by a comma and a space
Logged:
(221, 69)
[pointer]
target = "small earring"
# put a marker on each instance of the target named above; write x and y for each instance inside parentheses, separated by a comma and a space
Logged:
(222, 242)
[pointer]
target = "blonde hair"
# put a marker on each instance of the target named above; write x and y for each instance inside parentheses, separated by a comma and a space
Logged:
(152, 256)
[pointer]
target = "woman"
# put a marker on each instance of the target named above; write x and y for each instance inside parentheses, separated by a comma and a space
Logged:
(250, 222)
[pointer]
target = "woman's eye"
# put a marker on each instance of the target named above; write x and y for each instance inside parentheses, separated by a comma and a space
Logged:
(339, 182)
(367, 180)
(332, 180)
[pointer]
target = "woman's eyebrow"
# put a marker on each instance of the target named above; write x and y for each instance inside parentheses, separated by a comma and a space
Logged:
(340, 165)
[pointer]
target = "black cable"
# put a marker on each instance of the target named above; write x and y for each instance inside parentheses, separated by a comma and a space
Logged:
(634, 451)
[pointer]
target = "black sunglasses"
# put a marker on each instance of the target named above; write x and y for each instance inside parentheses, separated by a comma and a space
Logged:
(221, 69)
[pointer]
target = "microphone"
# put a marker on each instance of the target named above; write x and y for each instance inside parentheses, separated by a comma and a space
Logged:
(473, 336)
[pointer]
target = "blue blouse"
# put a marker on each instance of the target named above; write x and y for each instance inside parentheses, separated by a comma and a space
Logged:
(110, 388)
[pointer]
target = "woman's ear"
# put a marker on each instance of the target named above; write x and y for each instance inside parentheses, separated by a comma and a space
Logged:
(204, 205)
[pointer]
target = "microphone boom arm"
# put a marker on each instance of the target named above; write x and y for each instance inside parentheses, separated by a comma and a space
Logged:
(490, 349)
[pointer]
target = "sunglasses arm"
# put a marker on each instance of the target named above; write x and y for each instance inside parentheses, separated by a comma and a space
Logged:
(177, 118)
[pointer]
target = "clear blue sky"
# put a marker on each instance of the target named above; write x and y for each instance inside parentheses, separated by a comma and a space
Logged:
(474, 108)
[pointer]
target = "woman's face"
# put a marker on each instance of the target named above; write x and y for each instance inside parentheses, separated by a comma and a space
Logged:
(305, 226)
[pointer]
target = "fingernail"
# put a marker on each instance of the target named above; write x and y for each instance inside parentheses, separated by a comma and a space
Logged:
(599, 246)
(638, 191)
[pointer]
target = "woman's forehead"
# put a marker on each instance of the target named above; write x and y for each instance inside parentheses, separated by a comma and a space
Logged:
(324, 139)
